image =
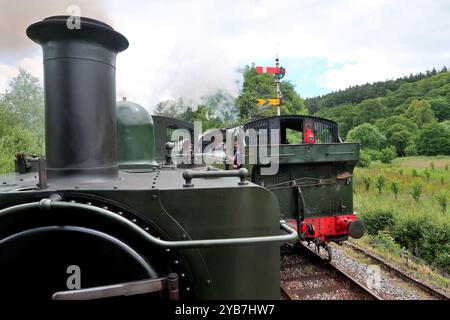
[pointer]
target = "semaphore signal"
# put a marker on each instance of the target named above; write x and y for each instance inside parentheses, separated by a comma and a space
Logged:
(271, 70)
(270, 102)
(279, 72)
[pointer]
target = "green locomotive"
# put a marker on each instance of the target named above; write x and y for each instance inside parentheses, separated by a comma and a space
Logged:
(99, 217)
(313, 175)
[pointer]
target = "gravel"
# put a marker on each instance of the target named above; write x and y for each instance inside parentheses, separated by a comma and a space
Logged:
(377, 279)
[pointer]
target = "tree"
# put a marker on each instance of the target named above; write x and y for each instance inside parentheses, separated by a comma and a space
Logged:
(343, 114)
(369, 111)
(411, 150)
(263, 86)
(420, 112)
(221, 108)
(292, 103)
(215, 111)
(386, 125)
(442, 198)
(379, 183)
(434, 140)
(25, 100)
(441, 107)
(367, 182)
(21, 119)
(395, 188)
(364, 159)
(173, 108)
(416, 190)
(400, 139)
(388, 154)
(399, 131)
(368, 135)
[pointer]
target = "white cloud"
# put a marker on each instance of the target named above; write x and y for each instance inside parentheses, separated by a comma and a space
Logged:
(190, 48)
(9, 71)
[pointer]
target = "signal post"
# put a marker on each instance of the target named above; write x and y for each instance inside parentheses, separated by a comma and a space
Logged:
(279, 72)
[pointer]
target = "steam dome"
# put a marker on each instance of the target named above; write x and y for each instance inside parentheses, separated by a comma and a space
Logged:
(135, 136)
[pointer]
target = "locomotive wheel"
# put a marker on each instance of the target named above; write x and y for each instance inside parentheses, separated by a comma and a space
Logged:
(38, 262)
(30, 242)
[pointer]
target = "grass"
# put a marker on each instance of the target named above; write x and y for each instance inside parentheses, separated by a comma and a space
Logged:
(416, 269)
(400, 170)
(412, 193)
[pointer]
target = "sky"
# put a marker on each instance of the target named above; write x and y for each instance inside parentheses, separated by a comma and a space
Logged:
(192, 48)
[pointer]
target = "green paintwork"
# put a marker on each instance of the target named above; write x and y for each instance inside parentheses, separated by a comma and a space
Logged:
(213, 208)
(164, 126)
(135, 136)
(318, 161)
(326, 197)
(323, 170)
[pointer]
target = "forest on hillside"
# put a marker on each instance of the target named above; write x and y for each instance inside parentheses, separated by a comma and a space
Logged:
(413, 117)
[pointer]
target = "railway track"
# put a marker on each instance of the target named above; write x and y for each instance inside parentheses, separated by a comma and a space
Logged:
(435, 292)
(306, 276)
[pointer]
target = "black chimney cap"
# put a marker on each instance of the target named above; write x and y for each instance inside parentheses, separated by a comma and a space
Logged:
(56, 27)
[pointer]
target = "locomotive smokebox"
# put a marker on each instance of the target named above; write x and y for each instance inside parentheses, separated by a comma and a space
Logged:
(80, 96)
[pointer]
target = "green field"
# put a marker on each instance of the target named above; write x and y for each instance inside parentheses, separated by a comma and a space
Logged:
(415, 222)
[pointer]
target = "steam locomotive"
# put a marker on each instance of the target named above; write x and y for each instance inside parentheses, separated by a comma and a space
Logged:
(100, 217)
(313, 177)
(313, 181)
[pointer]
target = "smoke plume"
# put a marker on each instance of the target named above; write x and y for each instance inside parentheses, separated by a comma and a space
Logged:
(17, 15)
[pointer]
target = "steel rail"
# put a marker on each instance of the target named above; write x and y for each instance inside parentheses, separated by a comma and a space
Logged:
(400, 273)
(345, 274)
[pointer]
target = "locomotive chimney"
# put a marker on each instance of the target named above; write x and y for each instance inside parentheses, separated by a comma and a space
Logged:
(80, 96)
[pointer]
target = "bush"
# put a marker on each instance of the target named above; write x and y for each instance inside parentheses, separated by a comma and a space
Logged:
(427, 174)
(434, 140)
(367, 135)
(425, 238)
(416, 190)
(407, 232)
(377, 220)
(16, 139)
(442, 198)
(367, 182)
(388, 154)
(374, 154)
(379, 183)
(411, 150)
(383, 240)
(364, 160)
(395, 188)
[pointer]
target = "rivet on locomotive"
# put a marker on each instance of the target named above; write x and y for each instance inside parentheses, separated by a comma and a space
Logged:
(106, 214)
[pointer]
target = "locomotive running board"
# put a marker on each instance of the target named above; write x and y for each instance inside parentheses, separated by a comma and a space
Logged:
(169, 283)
